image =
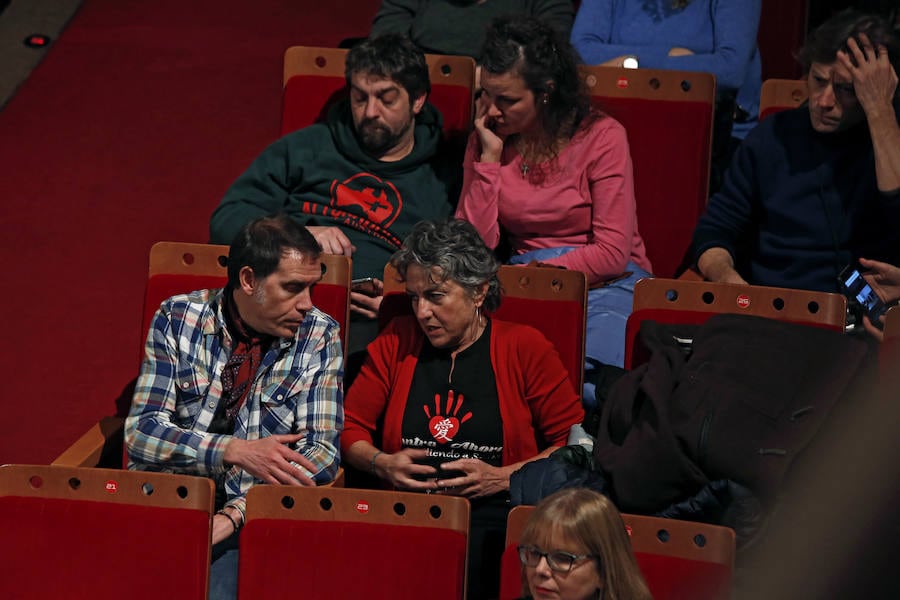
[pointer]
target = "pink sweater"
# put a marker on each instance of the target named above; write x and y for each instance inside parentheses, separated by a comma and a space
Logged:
(586, 202)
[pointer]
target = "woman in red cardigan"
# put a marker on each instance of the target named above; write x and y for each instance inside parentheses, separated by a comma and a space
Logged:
(451, 401)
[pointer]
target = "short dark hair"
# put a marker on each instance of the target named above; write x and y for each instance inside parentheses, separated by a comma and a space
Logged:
(393, 56)
(456, 248)
(823, 43)
(539, 54)
(261, 243)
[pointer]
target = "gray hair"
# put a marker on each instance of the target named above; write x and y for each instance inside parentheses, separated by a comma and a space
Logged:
(456, 248)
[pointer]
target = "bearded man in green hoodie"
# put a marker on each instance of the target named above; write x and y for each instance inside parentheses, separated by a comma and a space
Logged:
(360, 180)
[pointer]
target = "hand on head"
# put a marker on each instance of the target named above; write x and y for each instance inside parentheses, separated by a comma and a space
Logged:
(491, 142)
(874, 78)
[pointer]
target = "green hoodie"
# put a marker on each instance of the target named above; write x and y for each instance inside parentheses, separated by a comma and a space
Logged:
(320, 175)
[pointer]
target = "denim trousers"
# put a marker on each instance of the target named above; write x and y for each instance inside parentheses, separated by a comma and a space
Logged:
(223, 569)
(608, 308)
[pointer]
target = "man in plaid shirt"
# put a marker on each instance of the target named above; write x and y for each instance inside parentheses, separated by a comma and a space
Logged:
(243, 384)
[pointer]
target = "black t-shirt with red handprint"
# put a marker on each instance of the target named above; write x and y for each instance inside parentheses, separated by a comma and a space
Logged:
(455, 415)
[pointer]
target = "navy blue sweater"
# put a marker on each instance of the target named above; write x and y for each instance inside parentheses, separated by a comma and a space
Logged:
(797, 206)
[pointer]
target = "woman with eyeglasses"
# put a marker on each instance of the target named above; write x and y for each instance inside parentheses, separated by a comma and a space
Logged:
(575, 547)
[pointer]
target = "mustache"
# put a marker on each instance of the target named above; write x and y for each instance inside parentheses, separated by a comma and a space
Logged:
(373, 123)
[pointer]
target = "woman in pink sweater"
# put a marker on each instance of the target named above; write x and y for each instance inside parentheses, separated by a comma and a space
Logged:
(554, 175)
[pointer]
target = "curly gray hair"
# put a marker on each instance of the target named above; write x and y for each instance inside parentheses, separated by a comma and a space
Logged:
(456, 248)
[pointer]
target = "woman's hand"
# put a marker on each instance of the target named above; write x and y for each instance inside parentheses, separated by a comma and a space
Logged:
(480, 479)
(399, 468)
(367, 304)
(491, 143)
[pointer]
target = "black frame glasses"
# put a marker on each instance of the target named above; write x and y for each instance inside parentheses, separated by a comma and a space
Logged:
(557, 560)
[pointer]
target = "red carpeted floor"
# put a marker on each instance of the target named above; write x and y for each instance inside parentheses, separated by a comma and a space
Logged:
(127, 133)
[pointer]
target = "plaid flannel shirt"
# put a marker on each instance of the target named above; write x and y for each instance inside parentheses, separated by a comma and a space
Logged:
(297, 389)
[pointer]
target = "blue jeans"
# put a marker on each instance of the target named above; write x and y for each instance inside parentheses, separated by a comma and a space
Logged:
(223, 569)
(607, 312)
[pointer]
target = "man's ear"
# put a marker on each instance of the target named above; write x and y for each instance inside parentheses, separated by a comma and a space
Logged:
(418, 103)
(247, 280)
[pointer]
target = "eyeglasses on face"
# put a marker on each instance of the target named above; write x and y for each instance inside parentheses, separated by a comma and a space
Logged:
(557, 560)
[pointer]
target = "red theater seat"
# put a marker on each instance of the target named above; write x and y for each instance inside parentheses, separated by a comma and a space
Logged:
(353, 543)
(668, 116)
(781, 94)
(682, 560)
(693, 302)
(88, 533)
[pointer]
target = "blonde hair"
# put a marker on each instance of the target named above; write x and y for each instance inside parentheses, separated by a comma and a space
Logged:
(590, 519)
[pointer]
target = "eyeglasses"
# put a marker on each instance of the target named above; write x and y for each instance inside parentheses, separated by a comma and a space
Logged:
(557, 560)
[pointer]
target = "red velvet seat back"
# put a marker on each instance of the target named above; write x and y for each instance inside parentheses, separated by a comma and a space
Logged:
(670, 145)
(560, 322)
(510, 574)
(54, 548)
(307, 98)
(71, 532)
(333, 559)
(675, 578)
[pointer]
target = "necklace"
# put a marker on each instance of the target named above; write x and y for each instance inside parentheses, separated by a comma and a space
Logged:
(524, 150)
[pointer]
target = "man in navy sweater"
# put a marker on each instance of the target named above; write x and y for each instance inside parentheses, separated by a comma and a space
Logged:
(814, 188)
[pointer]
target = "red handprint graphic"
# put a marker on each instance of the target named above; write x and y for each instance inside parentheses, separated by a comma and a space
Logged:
(444, 428)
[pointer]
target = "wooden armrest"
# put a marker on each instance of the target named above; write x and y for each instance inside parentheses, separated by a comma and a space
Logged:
(101, 443)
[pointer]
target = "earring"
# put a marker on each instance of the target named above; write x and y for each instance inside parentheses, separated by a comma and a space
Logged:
(546, 100)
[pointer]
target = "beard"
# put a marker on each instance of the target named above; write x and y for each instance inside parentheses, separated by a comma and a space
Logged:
(377, 139)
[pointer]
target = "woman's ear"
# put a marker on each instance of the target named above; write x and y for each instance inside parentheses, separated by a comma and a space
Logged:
(481, 294)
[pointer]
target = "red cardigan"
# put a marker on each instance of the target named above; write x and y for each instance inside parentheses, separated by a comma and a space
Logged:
(537, 402)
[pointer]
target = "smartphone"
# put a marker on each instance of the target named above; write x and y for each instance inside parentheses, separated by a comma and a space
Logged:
(365, 285)
(861, 294)
(438, 463)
